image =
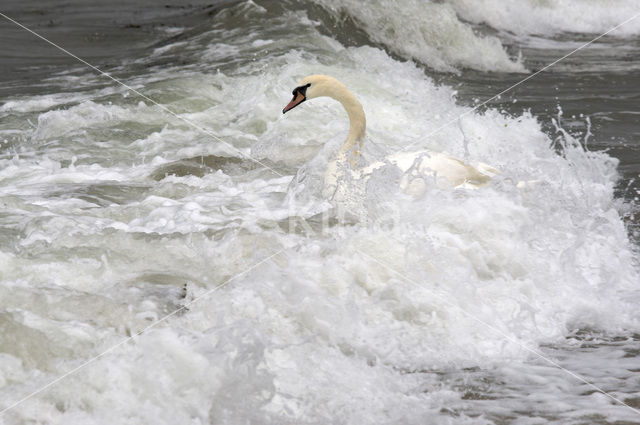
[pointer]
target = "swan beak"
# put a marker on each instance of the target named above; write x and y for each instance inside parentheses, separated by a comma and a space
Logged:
(298, 98)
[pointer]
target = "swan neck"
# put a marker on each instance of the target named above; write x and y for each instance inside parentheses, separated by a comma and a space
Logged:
(357, 128)
(357, 122)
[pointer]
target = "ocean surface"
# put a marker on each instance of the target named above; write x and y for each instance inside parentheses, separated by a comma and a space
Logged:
(202, 202)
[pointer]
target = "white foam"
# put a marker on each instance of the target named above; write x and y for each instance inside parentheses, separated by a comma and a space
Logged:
(321, 333)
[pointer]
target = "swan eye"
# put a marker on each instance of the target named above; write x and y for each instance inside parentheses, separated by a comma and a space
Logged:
(301, 89)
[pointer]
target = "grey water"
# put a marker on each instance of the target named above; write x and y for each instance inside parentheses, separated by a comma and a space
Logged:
(113, 213)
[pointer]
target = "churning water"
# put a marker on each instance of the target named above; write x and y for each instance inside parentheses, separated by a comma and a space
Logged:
(388, 310)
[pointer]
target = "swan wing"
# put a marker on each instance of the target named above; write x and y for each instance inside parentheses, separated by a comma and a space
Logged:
(446, 170)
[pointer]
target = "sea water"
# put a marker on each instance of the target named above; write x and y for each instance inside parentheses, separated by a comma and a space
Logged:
(455, 306)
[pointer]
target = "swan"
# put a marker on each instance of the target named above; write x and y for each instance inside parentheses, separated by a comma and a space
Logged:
(419, 168)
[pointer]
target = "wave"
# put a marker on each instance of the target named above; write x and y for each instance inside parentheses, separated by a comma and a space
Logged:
(551, 17)
(104, 233)
(428, 32)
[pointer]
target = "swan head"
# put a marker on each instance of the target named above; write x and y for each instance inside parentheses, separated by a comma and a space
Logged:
(323, 85)
(313, 86)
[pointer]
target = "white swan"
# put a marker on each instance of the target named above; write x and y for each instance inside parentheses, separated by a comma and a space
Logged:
(419, 169)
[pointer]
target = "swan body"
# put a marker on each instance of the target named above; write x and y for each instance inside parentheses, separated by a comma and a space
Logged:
(418, 168)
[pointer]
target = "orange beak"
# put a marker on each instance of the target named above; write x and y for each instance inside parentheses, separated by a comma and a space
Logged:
(298, 98)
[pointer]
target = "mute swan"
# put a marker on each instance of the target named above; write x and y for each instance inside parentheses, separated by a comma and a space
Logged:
(418, 168)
